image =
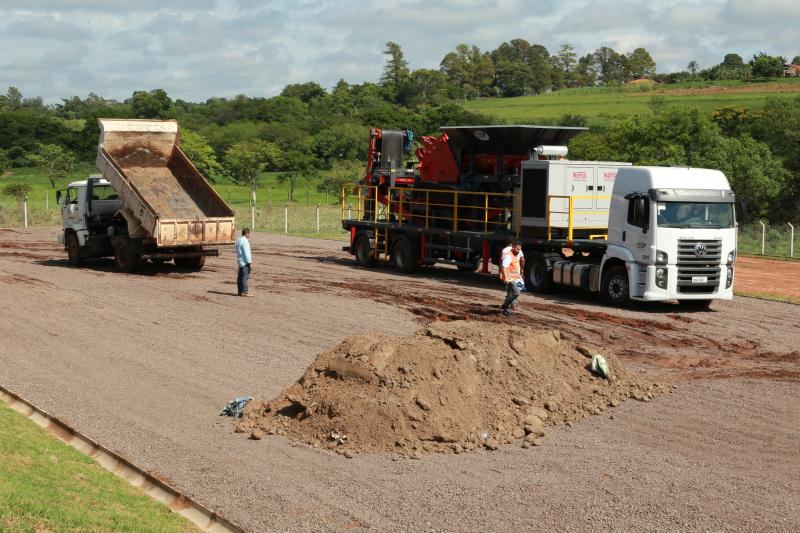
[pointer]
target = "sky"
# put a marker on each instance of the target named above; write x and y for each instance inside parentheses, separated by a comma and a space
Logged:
(198, 49)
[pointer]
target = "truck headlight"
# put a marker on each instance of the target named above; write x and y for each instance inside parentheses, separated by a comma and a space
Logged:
(729, 281)
(661, 277)
(661, 257)
(731, 257)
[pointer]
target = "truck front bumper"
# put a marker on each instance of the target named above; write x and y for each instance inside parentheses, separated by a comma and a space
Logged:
(644, 279)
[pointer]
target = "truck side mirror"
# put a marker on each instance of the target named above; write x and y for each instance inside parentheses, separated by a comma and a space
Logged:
(58, 197)
(639, 211)
(643, 207)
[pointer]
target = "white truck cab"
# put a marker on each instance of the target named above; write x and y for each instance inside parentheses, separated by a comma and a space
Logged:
(671, 236)
(88, 210)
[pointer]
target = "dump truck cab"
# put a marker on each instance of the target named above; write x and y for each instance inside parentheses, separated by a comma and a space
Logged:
(89, 216)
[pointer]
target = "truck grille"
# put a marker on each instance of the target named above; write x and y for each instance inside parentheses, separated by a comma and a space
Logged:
(699, 258)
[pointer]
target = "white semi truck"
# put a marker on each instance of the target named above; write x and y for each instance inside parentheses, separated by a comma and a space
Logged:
(150, 203)
(625, 232)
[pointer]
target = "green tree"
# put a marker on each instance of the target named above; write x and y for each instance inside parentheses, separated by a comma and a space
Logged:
(13, 99)
(513, 78)
(54, 161)
(692, 67)
(342, 102)
(305, 92)
(765, 66)
(424, 87)
(470, 70)
(343, 141)
(796, 60)
(686, 136)
(342, 174)
(152, 104)
(731, 119)
(586, 71)
(295, 165)
(641, 64)
(395, 70)
(5, 160)
(567, 61)
(732, 61)
(778, 125)
(611, 66)
(246, 160)
(200, 152)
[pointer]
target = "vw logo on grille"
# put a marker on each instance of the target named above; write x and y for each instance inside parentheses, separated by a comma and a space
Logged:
(700, 249)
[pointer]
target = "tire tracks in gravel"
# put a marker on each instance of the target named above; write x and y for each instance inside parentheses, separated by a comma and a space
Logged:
(664, 345)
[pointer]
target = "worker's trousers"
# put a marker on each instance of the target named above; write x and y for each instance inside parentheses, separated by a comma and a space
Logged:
(242, 277)
(512, 294)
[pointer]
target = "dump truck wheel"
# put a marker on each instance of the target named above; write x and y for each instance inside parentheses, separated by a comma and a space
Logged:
(615, 288)
(73, 249)
(696, 304)
(127, 260)
(538, 275)
(363, 251)
(195, 264)
(405, 256)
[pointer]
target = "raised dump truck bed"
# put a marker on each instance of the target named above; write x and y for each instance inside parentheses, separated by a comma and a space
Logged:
(164, 198)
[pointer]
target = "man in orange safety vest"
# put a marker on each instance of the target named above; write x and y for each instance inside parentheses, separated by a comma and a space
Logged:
(512, 263)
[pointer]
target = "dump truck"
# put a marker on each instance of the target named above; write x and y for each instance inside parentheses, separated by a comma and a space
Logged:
(149, 204)
(625, 232)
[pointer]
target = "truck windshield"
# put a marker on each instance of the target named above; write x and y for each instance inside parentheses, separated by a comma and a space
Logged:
(694, 215)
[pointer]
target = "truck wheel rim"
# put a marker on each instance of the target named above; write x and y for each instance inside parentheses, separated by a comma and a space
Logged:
(618, 288)
(400, 258)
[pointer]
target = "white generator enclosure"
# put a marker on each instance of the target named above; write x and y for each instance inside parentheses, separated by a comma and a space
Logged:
(547, 185)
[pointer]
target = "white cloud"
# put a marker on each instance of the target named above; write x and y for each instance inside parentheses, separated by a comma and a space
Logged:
(196, 49)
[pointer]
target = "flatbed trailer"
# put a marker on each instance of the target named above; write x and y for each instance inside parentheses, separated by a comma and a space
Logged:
(411, 232)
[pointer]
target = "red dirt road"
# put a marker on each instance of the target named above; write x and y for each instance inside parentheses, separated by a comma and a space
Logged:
(144, 363)
(771, 277)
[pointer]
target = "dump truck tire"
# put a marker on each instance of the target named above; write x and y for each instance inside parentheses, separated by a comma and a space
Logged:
(127, 260)
(405, 255)
(194, 264)
(73, 249)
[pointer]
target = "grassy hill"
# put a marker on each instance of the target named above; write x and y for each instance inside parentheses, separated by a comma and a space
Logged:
(602, 105)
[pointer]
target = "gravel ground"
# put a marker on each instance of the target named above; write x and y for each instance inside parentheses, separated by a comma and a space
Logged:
(143, 364)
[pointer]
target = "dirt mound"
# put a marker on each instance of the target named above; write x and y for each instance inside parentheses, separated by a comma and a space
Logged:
(451, 387)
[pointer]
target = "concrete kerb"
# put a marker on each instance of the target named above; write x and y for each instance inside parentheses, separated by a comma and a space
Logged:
(197, 514)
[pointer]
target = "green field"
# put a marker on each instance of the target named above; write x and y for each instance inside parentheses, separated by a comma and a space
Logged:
(45, 485)
(602, 105)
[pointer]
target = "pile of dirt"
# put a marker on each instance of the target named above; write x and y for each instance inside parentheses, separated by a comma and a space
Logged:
(451, 387)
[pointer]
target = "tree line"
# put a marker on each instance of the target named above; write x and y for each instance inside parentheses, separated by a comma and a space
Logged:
(308, 132)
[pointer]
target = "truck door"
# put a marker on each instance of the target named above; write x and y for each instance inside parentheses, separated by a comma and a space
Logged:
(70, 208)
(637, 225)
